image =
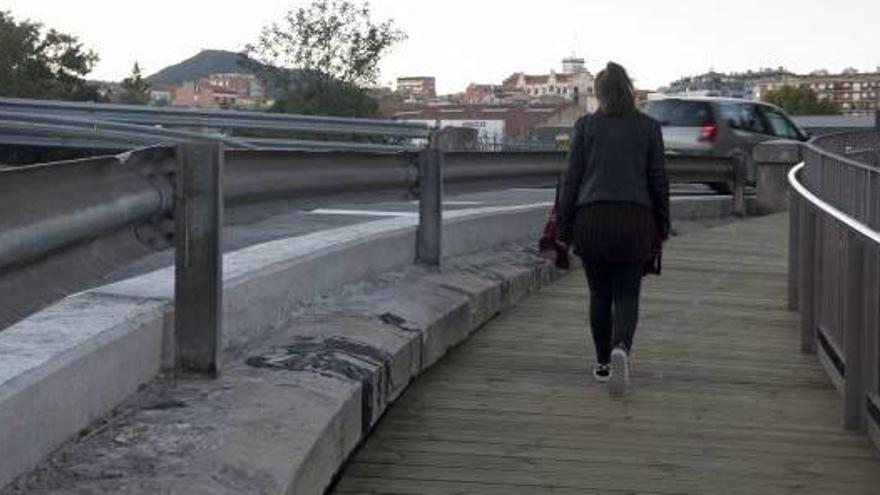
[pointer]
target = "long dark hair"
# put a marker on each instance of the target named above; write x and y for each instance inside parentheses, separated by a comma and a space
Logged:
(615, 91)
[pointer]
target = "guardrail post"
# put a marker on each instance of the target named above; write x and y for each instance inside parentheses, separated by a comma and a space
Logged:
(808, 270)
(739, 187)
(854, 335)
(430, 232)
(198, 280)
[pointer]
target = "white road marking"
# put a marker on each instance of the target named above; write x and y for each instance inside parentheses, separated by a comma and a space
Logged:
(715, 197)
(365, 213)
(455, 203)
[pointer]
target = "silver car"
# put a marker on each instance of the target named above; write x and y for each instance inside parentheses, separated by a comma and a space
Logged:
(720, 127)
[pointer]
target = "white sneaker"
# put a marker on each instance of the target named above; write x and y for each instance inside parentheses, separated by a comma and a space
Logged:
(619, 373)
(601, 372)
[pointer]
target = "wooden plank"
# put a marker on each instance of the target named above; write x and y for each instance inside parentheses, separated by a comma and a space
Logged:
(723, 401)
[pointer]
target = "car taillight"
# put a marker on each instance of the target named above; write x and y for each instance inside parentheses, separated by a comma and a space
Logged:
(708, 132)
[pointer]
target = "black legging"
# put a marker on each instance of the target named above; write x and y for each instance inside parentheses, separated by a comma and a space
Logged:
(614, 305)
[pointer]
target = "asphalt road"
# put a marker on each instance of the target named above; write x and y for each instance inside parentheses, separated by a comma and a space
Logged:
(247, 225)
(120, 256)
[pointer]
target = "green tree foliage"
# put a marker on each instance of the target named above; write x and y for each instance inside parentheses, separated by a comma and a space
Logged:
(328, 98)
(336, 47)
(136, 91)
(800, 101)
(42, 63)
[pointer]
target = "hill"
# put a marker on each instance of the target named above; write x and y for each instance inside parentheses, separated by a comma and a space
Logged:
(202, 65)
(209, 62)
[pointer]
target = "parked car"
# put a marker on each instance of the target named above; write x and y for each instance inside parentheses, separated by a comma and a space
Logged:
(720, 127)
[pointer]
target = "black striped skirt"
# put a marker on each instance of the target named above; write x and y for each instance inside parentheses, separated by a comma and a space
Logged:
(614, 233)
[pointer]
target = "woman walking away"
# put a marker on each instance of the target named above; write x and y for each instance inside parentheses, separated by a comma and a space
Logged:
(615, 210)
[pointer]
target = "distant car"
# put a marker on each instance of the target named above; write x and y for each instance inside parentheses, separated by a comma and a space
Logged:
(720, 127)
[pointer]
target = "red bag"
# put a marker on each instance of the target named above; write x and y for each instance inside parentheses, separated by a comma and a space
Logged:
(655, 265)
(549, 242)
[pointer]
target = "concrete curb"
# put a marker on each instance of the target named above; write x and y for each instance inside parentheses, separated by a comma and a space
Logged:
(435, 314)
(288, 413)
(706, 207)
(67, 366)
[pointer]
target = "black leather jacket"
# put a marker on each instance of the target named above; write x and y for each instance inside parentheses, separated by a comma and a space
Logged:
(615, 159)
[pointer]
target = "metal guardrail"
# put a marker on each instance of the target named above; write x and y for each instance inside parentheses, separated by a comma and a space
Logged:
(48, 207)
(835, 267)
(76, 204)
(71, 202)
(120, 127)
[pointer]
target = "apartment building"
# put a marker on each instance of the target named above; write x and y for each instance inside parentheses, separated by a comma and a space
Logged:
(852, 91)
(229, 90)
(575, 83)
(419, 88)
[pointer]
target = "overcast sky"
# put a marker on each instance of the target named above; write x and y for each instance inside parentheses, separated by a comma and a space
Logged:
(462, 41)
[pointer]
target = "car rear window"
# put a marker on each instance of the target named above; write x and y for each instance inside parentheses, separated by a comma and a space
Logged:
(680, 113)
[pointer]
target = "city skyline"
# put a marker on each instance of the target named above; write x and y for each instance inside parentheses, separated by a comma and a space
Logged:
(484, 43)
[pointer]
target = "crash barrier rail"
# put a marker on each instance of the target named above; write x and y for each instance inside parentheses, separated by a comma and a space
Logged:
(834, 266)
(835, 124)
(48, 207)
(48, 123)
(81, 218)
(180, 191)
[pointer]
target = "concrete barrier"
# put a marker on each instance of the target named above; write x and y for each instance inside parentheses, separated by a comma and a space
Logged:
(63, 368)
(773, 160)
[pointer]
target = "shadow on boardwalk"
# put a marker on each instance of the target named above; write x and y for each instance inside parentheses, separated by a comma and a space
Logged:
(723, 401)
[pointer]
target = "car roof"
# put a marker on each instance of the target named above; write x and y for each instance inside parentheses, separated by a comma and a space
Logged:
(710, 99)
(719, 99)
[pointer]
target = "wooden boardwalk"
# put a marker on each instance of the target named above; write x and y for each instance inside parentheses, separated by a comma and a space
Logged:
(722, 399)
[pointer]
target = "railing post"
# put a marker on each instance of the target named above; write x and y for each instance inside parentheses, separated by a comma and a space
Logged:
(794, 249)
(198, 280)
(739, 186)
(430, 232)
(854, 334)
(807, 271)
(871, 296)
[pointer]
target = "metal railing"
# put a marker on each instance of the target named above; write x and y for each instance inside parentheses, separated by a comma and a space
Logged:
(121, 127)
(60, 217)
(76, 222)
(71, 202)
(834, 266)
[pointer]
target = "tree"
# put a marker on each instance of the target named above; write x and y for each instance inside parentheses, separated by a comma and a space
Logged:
(328, 98)
(800, 101)
(40, 63)
(336, 47)
(136, 91)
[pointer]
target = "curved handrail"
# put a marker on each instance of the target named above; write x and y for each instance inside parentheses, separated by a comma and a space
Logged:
(838, 215)
(813, 145)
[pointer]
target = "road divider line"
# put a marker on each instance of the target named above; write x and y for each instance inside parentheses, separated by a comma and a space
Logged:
(456, 203)
(365, 213)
